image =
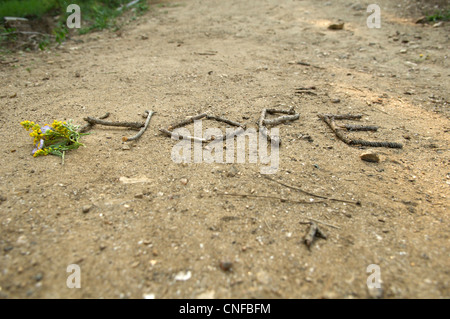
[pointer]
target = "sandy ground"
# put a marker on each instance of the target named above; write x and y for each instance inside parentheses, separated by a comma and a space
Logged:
(172, 234)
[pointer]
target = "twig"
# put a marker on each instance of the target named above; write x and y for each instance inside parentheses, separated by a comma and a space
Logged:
(351, 127)
(88, 126)
(314, 232)
(341, 116)
(308, 64)
(271, 197)
(330, 122)
(323, 223)
(376, 144)
(188, 121)
(185, 137)
(206, 53)
(236, 132)
(262, 118)
(132, 125)
(128, 5)
(311, 194)
(270, 138)
(8, 19)
(306, 90)
(8, 62)
(291, 111)
(138, 135)
(263, 129)
(267, 224)
(281, 119)
(224, 120)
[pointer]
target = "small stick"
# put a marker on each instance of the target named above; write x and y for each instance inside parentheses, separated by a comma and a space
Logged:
(188, 121)
(185, 137)
(263, 129)
(224, 120)
(264, 133)
(308, 64)
(262, 118)
(306, 88)
(133, 125)
(237, 132)
(206, 53)
(291, 111)
(341, 116)
(311, 194)
(330, 122)
(346, 140)
(8, 62)
(351, 127)
(270, 197)
(88, 126)
(139, 134)
(309, 238)
(321, 222)
(376, 144)
(281, 119)
(307, 92)
(314, 232)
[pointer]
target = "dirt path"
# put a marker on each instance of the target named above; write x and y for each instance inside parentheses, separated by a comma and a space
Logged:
(231, 58)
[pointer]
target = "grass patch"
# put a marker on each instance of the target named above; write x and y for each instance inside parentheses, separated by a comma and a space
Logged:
(21, 8)
(96, 15)
(439, 15)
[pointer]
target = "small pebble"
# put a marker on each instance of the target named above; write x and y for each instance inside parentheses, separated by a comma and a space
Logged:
(232, 171)
(38, 277)
(184, 181)
(8, 248)
(86, 208)
(370, 157)
(225, 265)
(336, 26)
(126, 147)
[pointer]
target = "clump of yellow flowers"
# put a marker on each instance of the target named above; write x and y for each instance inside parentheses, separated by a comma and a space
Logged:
(55, 139)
